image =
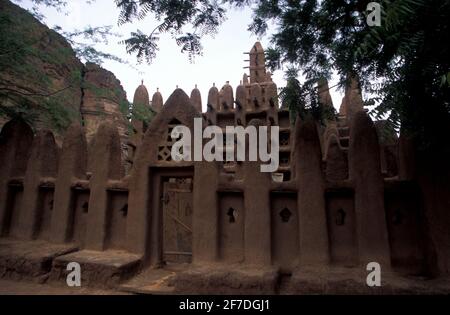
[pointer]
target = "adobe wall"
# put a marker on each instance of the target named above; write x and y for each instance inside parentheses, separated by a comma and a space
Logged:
(142, 237)
(15, 141)
(336, 208)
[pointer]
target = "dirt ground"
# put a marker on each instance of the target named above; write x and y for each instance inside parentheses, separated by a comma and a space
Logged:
(8, 287)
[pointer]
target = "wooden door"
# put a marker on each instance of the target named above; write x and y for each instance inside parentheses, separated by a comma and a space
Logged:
(177, 220)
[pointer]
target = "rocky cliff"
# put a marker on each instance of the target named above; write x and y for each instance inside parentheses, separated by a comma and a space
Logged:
(103, 99)
(43, 81)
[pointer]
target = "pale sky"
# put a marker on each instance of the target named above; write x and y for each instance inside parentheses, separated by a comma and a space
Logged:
(222, 60)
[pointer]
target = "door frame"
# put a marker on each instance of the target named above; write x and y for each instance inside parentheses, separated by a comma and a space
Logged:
(158, 175)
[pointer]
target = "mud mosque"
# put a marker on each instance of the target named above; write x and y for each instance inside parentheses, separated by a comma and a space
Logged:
(344, 195)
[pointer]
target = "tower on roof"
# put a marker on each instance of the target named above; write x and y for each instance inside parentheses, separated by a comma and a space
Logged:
(257, 65)
(157, 101)
(141, 95)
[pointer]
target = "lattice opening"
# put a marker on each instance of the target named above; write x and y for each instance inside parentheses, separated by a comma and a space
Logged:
(231, 213)
(286, 176)
(285, 215)
(284, 158)
(164, 153)
(85, 207)
(340, 217)
(284, 138)
(124, 210)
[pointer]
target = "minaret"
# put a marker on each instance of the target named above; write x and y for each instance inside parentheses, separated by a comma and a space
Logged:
(196, 99)
(141, 98)
(226, 98)
(261, 91)
(352, 101)
(324, 93)
(213, 98)
(157, 101)
(141, 95)
(257, 64)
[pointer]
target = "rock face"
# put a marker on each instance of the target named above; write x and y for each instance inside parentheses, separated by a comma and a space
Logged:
(102, 98)
(48, 64)
(49, 83)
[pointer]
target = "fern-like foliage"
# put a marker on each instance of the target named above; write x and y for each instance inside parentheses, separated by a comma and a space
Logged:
(190, 44)
(302, 99)
(403, 63)
(144, 46)
(201, 17)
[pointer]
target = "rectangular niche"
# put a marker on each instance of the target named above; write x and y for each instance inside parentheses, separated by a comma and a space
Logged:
(225, 119)
(283, 119)
(285, 231)
(406, 237)
(256, 115)
(80, 215)
(231, 226)
(116, 219)
(44, 212)
(285, 138)
(341, 227)
(13, 207)
(285, 158)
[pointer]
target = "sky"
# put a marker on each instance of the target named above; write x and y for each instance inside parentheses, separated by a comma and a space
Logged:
(222, 60)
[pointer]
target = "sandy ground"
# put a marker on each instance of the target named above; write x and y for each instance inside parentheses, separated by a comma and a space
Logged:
(8, 287)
